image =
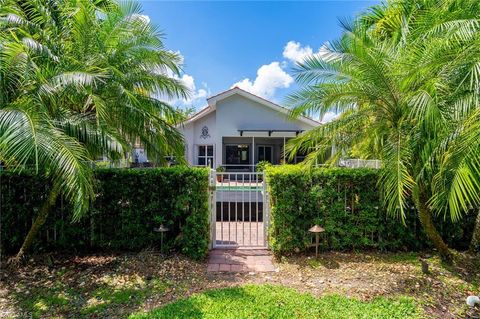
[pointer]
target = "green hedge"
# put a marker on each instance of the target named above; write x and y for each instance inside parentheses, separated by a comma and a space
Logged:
(129, 204)
(346, 203)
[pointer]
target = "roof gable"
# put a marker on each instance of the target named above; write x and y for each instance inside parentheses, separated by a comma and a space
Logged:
(213, 100)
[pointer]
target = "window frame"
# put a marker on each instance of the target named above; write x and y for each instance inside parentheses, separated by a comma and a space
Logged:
(205, 157)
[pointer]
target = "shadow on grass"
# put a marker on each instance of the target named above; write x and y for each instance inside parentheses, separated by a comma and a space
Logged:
(96, 301)
(324, 261)
(334, 260)
(465, 267)
(100, 287)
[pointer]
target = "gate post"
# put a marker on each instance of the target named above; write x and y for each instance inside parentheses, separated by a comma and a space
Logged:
(266, 210)
(212, 206)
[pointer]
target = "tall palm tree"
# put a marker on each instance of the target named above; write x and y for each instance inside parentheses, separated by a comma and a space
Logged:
(405, 78)
(79, 79)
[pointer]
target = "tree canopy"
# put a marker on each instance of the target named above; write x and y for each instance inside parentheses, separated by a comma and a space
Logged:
(80, 79)
(405, 78)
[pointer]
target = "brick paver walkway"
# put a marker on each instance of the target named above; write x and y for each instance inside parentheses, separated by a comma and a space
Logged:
(240, 233)
(240, 260)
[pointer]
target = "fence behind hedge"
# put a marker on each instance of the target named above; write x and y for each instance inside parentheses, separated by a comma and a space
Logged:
(346, 203)
(129, 204)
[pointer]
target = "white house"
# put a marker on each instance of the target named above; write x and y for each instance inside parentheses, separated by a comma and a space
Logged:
(238, 129)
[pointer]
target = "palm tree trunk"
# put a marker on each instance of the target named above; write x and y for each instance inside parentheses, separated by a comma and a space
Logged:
(425, 216)
(475, 242)
(38, 223)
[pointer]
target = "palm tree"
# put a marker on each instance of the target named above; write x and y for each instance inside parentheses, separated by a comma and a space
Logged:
(79, 79)
(405, 78)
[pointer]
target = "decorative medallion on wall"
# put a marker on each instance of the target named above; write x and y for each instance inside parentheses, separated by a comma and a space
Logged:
(205, 132)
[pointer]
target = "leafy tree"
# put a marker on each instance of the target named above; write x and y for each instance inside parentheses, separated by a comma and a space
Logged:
(186, 112)
(78, 79)
(405, 77)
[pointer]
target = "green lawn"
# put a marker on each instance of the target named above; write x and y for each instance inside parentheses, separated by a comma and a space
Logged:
(266, 301)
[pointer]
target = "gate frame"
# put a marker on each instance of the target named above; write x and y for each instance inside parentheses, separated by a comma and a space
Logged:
(212, 203)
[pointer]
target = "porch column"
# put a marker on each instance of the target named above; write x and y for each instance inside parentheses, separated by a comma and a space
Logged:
(284, 161)
(253, 153)
(218, 151)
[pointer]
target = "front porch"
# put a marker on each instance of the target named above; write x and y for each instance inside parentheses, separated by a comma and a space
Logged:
(243, 153)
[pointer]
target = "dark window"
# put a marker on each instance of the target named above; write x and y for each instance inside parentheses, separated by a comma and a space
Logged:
(265, 153)
(237, 154)
(205, 155)
(300, 157)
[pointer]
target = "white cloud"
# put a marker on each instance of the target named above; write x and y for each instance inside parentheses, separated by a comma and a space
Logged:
(195, 94)
(329, 116)
(188, 81)
(270, 77)
(141, 17)
(145, 18)
(295, 52)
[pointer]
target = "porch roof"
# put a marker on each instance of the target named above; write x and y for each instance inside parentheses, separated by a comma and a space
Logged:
(270, 133)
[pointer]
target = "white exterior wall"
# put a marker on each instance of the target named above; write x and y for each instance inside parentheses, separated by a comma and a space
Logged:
(139, 155)
(237, 112)
(232, 114)
(192, 133)
(187, 131)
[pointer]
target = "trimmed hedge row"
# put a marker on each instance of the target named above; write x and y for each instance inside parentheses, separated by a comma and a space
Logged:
(129, 204)
(346, 203)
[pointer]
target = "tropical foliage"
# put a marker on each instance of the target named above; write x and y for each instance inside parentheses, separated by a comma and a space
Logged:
(125, 211)
(346, 203)
(405, 77)
(80, 79)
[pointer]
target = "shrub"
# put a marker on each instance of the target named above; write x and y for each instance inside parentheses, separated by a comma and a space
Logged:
(346, 203)
(129, 204)
(262, 166)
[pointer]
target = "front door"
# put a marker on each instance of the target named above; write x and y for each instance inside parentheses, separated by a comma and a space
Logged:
(265, 153)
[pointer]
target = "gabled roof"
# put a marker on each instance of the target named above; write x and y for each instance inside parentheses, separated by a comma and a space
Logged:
(213, 100)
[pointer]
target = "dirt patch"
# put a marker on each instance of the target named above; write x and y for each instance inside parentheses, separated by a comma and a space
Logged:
(116, 285)
(441, 293)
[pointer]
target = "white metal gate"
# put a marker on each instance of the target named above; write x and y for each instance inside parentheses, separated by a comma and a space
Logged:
(239, 210)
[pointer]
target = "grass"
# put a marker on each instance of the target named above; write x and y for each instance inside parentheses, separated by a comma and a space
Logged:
(97, 302)
(123, 285)
(268, 301)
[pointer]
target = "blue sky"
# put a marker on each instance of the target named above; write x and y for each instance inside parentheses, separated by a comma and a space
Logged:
(252, 44)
